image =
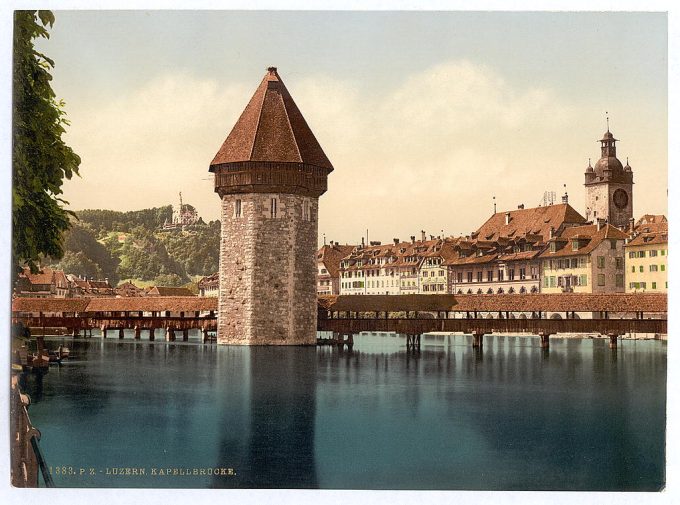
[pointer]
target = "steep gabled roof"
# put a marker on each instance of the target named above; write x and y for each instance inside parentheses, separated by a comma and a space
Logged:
(331, 255)
(583, 233)
(533, 221)
(271, 128)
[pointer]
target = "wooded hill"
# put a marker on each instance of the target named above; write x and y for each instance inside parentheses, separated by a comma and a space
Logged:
(131, 245)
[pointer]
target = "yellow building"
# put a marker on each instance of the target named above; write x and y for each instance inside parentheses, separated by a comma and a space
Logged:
(584, 259)
(647, 256)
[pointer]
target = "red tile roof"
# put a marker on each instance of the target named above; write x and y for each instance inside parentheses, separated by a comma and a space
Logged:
(331, 255)
(532, 221)
(596, 237)
(649, 230)
(271, 128)
(168, 291)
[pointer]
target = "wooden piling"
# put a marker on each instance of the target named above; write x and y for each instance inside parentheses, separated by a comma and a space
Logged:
(169, 334)
(185, 335)
(613, 340)
(138, 333)
(103, 329)
(152, 337)
(545, 339)
(121, 333)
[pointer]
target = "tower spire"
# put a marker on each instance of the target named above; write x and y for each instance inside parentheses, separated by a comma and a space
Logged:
(607, 115)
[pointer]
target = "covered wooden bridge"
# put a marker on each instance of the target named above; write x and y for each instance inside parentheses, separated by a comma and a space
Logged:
(612, 315)
(168, 314)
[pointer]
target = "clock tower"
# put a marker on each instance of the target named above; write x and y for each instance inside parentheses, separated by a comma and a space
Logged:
(609, 186)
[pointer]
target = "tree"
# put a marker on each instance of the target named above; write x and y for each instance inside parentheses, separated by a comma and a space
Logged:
(40, 158)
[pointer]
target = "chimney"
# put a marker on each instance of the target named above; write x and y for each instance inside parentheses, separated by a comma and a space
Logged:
(396, 241)
(631, 224)
(431, 237)
(600, 222)
(422, 235)
(507, 218)
(520, 206)
(413, 239)
(362, 242)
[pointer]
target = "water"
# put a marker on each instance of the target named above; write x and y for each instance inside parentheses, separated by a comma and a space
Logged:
(579, 417)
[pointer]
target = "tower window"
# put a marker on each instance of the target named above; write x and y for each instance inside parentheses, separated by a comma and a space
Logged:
(306, 215)
(273, 207)
(237, 208)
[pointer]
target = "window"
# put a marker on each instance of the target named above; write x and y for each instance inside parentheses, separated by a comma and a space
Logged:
(631, 254)
(612, 242)
(469, 276)
(545, 282)
(522, 273)
(643, 285)
(600, 262)
(642, 268)
(237, 208)
(600, 279)
(479, 276)
(632, 269)
(642, 254)
(306, 215)
(500, 275)
(511, 274)
(653, 285)
(489, 275)
(583, 280)
(663, 268)
(459, 276)
(619, 263)
(663, 252)
(441, 273)
(582, 261)
(553, 247)
(574, 245)
(273, 209)
(652, 254)
(552, 281)
(619, 281)
(653, 268)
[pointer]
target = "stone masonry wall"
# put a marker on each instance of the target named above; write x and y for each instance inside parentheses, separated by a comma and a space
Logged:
(268, 271)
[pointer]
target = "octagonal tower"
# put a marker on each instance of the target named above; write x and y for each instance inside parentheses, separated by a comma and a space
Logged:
(269, 174)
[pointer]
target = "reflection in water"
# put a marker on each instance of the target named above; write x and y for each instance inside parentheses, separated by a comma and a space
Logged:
(280, 451)
(510, 415)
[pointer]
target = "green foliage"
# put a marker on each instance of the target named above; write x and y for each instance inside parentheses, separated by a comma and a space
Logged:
(103, 221)
(79, 241)
(144, 256)
(169, 280)
(40, 159)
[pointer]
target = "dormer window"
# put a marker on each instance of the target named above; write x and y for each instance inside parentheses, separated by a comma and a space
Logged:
(574, 245)
(553, 247)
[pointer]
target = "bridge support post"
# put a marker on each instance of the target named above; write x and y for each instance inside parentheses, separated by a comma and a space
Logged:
(477, 339)
(75, 331)
(152, 337)
(545, 339)
(185, 335)
(204, 334)
(169, 334)
(121, 333)
(613, 340)
(350, 341)
(138, 333)
(103, 329)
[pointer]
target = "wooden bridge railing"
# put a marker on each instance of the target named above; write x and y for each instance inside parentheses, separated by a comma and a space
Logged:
(486, 326)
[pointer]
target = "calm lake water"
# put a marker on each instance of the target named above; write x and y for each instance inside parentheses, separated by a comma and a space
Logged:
(579, 417)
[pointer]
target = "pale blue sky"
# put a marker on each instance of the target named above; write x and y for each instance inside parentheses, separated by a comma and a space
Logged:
(425, 115)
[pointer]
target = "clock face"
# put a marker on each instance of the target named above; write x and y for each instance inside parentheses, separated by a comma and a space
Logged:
(620, 198)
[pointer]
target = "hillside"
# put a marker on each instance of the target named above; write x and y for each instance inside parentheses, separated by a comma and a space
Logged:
(131, 245)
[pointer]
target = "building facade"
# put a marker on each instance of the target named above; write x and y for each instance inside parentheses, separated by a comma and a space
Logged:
(269, 174)
(585, 259)
(328, 259)
(647, 256)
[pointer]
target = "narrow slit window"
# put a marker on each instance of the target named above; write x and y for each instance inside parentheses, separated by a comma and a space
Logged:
(273, 208)
(237, 208)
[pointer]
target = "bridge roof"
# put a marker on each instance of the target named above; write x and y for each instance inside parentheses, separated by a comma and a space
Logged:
(50, 304)
(562, 302)
(123, 304)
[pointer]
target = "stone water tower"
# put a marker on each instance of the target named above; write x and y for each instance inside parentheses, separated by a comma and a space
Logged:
(269, 174)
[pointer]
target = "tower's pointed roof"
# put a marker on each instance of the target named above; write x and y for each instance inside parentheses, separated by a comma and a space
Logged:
(271, 128)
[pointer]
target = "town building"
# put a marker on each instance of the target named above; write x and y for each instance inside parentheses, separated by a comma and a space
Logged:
(647, 255)
(128, 289)
(609, 186)
(585, 259)
(46, 283)
(502, 256)
(209, 286)
(269, 175)
(328, 259)
(168, 291)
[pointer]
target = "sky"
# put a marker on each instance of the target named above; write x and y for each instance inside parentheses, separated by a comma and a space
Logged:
(426, 116)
